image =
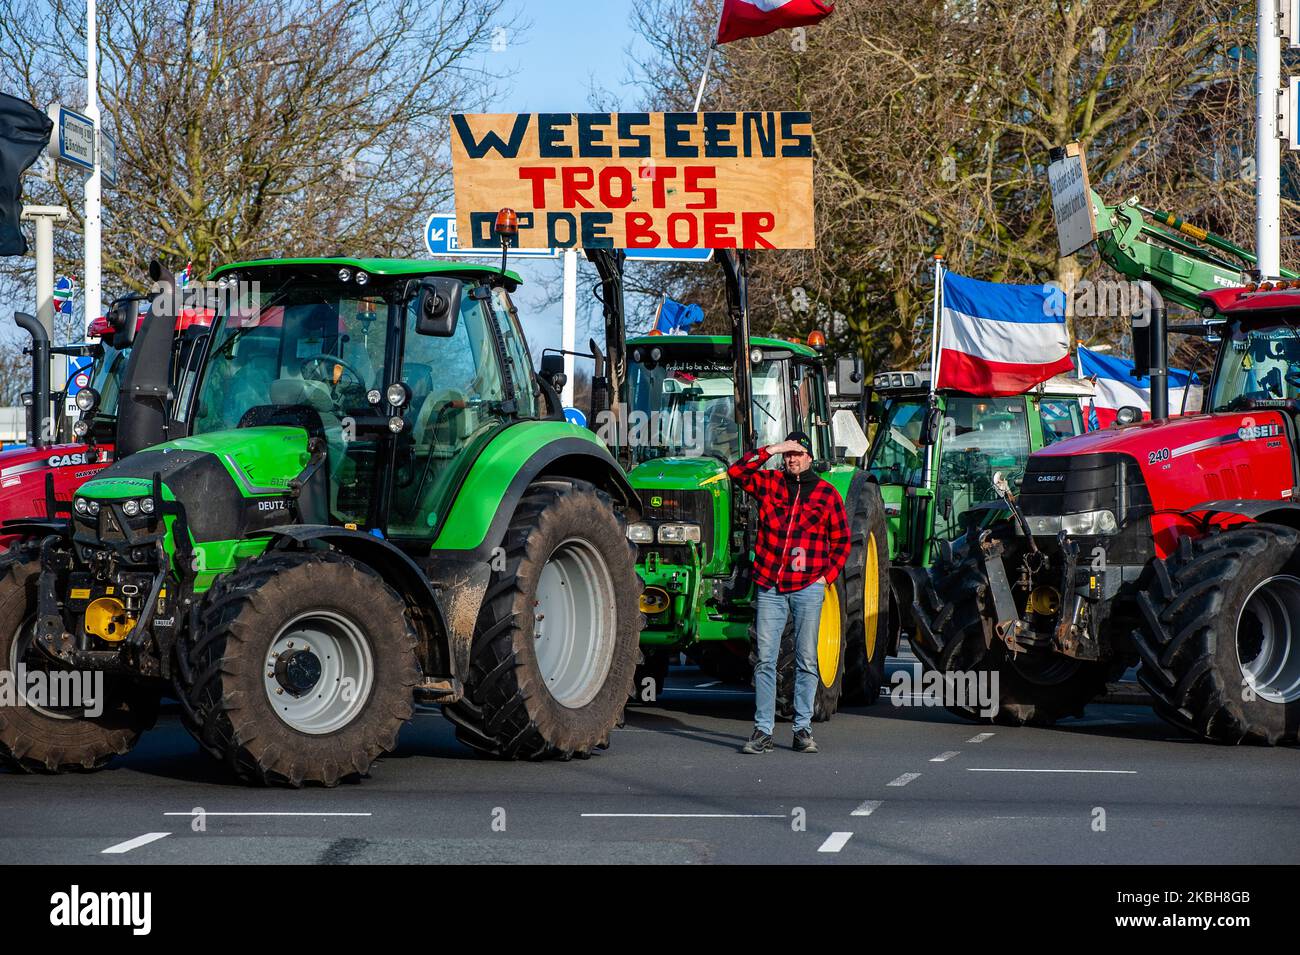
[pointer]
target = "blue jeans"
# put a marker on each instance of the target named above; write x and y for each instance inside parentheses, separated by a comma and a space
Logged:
(773, 611)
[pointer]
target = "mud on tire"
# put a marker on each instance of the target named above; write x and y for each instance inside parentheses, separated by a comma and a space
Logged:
(522, 699)
(1218, 647)
(231, 667)
(33, 740)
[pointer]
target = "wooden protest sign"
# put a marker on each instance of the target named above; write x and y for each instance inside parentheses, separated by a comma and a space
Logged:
(636, 180)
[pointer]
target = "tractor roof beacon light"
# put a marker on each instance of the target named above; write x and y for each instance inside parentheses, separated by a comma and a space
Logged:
(816, 339)
(507, 227)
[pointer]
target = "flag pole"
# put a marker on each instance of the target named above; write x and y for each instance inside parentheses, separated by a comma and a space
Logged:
(935, 352)
(704, 78)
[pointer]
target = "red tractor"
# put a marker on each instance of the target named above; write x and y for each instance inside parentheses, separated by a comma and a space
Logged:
(63, 451)
(1170, 544)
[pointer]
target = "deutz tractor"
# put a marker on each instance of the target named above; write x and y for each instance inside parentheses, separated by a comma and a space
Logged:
(375, 502)
(934, 462)
(1172, 544)
(70, 448)
(690, 406)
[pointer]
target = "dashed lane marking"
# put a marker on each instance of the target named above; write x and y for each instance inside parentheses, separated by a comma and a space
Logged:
(204, 813)
(980, 737)
(683, 815)
(835, 842)
(904, 779)
(867, 808)
(1105, 772)
(944, 757)
(135, 843)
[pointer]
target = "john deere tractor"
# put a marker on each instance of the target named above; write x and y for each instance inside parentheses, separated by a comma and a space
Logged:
(936, 460)
(375, 502)
(688, 406)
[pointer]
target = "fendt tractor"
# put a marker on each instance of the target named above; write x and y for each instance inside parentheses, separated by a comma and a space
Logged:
(936, 461)
(71, 448)
(693, 404)
(1169, 544)
(374, 502)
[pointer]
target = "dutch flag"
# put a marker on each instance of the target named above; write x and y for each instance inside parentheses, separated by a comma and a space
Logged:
(998, 339)
(1117, 388)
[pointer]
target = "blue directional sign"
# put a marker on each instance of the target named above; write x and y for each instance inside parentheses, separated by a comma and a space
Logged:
(78, 373)
(440, 240)
(670, 255)
(575, 416)
(74, 137)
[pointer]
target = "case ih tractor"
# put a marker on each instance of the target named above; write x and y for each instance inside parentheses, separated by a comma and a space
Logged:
(933, 466)
(374, 502)
(690, 406)
(1172, 544)
(70, 449)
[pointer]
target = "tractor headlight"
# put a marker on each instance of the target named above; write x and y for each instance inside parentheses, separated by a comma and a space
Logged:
(94, 507)
(397, 394)
(146, 505)
(679, 533)
(86, 399)
(1085, 524)
(640, 533)
(81, 506)
(131, 508)
(344, 275)
(80, 429)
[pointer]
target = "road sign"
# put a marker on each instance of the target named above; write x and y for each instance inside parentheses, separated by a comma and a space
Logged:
(575, 416)
(670, 255)
(108, 158)
(440, 239)
(78, 373)
(1071, 199)
(74, 137)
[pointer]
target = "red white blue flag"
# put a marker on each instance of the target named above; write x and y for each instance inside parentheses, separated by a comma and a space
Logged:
(998, 339)
(745, 18)
(1117, 388)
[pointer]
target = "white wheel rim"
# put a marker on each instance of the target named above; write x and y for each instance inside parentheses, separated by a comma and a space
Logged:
(1269, 622)
(24, 637)
(575, 623)
(341, 654)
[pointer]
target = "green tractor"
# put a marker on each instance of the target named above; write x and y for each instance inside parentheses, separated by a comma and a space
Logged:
(935, 459)
(688, 406)
(374, 502)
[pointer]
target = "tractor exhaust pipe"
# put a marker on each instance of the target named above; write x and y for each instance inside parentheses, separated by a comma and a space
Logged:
(1159, 363)
(145, 394)
(38, 412)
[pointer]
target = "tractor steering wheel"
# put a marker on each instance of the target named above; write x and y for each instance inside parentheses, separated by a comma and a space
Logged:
(315, 359)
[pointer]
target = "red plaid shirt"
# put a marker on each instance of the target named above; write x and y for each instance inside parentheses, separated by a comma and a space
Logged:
(803, 530)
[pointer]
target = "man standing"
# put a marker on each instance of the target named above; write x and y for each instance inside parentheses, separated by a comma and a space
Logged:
(803, 542)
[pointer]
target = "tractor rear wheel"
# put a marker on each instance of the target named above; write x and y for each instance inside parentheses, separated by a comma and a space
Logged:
(37, 736)
(832, 637)
(1220, 648)
(866, 596)
(555, 647)
(1034, 688)
(302, 669)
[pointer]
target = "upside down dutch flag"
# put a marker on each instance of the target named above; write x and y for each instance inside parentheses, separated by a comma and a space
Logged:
(1116, 388)
(745, 18)
(998, 339)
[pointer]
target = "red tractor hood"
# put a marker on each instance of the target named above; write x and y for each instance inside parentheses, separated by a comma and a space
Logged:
(1139, 439)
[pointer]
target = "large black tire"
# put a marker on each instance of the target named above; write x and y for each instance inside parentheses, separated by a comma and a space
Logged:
(830, 659)
(866, 595)
(509, 711)
(1035, 688)
(227, 679)
(1225, 613)
(37, 741)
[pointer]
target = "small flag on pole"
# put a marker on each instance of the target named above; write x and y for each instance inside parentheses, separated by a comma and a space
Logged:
(63, 287)
(1117, 388)
(186, 275)
(746, 18)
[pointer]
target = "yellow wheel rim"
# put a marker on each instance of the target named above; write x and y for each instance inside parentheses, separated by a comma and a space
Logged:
(871, 597)
(830, 633)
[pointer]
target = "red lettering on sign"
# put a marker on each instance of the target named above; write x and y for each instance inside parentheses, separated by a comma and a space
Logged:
(616, 178)
(675, 237)
(752, 227)
(576, 181)
(538, 178)
(716, 225)
(640, 234)
(708, 197)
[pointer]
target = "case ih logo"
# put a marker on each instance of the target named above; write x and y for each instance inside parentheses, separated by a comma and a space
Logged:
(1255, 431)
(67, 460)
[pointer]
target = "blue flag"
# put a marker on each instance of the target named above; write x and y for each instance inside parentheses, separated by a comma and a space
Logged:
(675, 315)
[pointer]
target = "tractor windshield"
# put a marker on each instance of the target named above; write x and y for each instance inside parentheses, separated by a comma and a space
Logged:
(897, 456)
(980, 438)
(687, 408)
(1257, 362)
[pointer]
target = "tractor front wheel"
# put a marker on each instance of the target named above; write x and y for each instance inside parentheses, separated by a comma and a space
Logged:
(555, 647)
(302, 669)
(1220, 649)
(38, 736)
(866, 596)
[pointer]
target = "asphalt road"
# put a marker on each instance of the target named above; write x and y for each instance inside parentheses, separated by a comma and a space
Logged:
(892, 784)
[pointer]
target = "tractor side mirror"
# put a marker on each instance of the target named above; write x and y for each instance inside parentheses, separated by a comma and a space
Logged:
(930, 427)
(437, 306)
(1140, 328)
(849, 377)
(123, 317)
(553, 371)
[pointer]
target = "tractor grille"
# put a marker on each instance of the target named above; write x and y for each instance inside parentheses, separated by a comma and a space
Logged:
(1074, 483)
(670, 507)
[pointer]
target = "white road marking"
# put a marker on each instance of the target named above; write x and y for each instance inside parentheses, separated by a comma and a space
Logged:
(944, 757)
(867, 808)
(135, 843)
(705, 686)
(683, 815)
(1108, 772)
(314, 815)
(904, 779)
(835, 842)
(980, 737)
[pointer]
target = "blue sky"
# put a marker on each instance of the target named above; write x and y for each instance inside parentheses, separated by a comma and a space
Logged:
(552, 66)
